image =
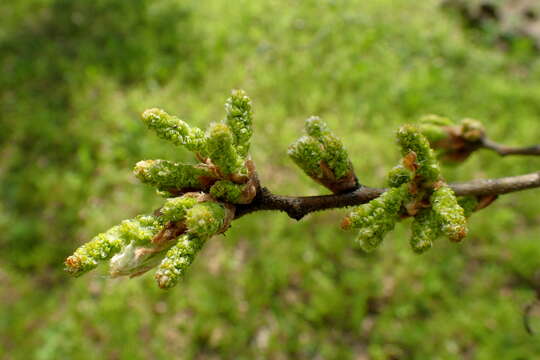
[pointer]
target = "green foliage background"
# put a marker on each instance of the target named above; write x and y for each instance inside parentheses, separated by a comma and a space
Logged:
(75, 75)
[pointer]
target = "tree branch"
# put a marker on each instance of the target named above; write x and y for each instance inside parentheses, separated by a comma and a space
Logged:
(297, 207)
(505, 150)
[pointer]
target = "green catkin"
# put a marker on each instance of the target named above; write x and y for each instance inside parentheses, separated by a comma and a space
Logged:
(468, 204)
(202, 219)
(450, 215)
(434, 127)
(177, 131)
(101, 247)
(166, 175)
(336, 156)
(433, 119)
(205, 219)
(175, 209)
(433, 133)
(376, 218)
(320, 145)
(334, 153)
(221, 149)
(240, 119)
(227, 191)
(138, 230)
(399, 175)
(411, 139)
(425, 229)
(178, 259)
(472, 130)
(307, 153)
(315, 127)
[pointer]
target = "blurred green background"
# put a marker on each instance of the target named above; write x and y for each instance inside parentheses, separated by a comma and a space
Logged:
(75, 75)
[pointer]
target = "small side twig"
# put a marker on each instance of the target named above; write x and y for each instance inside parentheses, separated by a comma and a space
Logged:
(505, 150)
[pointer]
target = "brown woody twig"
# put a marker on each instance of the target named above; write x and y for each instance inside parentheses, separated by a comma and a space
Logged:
(297, 207)
(505, 150)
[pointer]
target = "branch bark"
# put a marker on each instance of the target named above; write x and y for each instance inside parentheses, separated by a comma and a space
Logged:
(297, 207)
(505, 150)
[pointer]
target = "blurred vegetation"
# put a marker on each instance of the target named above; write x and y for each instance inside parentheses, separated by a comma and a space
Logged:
(60, 63)
(77, 74)
(513, 25)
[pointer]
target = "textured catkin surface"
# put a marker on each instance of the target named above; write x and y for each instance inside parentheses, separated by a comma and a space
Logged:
(77, 74)
(176, 232)
(417, 189)
(320, 153)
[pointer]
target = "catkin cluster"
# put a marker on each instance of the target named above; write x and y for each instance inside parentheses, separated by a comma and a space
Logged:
(225, 170)
(417, 190)
(322, 156)
(200, 198)
(454, 142)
